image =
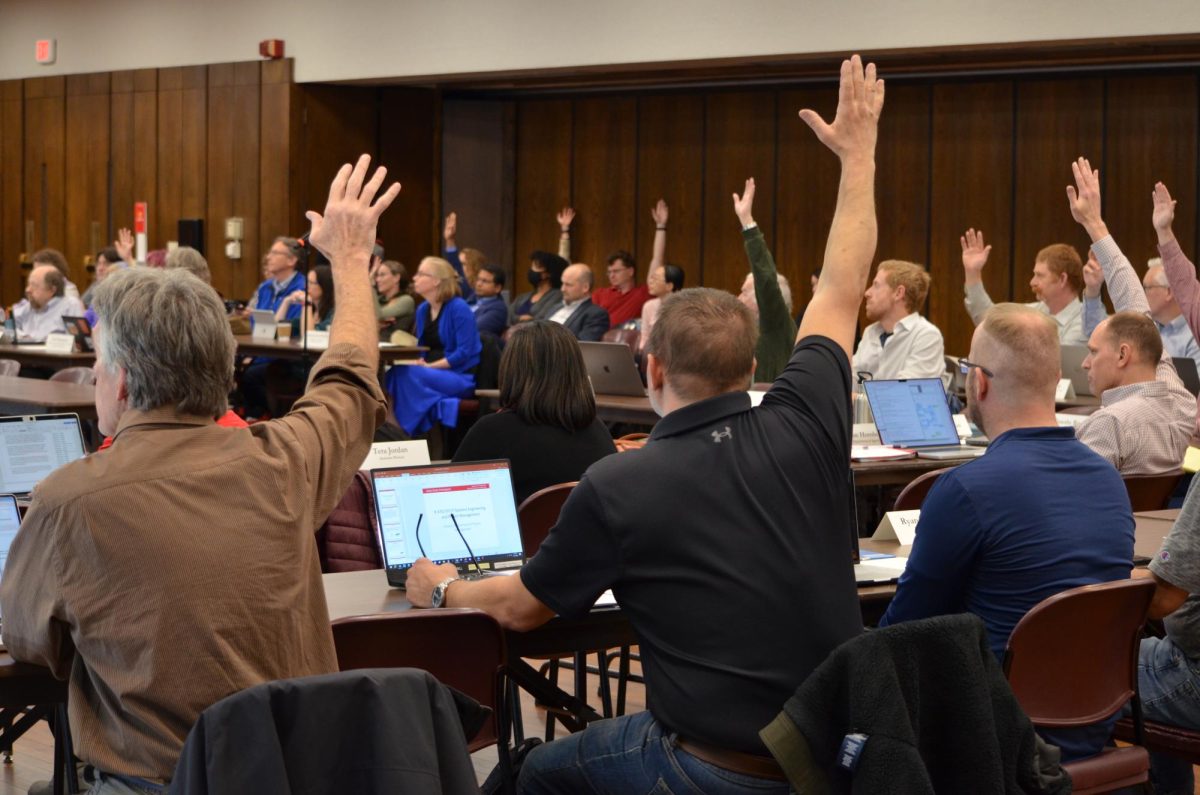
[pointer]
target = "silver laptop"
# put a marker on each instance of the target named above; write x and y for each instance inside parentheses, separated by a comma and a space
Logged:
(1186, 367)
(612, 369)
(10, 522)
(1072, 367)
(913, 413)
(31, 447)
(463, 513)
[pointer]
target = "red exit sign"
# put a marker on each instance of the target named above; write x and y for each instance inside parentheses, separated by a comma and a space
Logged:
(45, 51)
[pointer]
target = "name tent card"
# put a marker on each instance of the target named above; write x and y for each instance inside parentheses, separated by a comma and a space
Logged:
(263, 331)
(865, 433)
(963, 426)
(898, 526)
(60, 343)
(1065, 390)
(397, 454)
(317, 340)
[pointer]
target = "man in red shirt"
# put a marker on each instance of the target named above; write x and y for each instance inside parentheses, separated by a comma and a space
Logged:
(623, 298)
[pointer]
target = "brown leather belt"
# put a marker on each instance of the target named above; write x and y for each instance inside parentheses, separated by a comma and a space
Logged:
(733, 761)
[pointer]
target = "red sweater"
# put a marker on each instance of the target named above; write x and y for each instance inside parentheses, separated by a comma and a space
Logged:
(621, 306)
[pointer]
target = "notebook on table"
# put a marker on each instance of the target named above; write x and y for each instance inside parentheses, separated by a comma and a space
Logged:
(612, 369)
(31, 447)
(874, 569)
(912, 413)
(464, 513)
(10, 522)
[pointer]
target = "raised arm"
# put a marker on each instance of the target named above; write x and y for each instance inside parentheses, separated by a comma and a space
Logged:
(833, 311)
(450, 236)
(565, 218)
(1093, 306)
(345, 234)
(660, 212)
(1084, 199)
(974, 257)
(1181, 273)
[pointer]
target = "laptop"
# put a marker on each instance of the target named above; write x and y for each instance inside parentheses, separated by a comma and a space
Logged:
(31, 447)
(1072, 367)
(913, 413)
(464, 513)
(612, 369)
(10, 522)
(1186, 367)
(81, 329)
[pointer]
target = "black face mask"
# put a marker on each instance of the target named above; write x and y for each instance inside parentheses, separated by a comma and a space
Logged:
(535, 277)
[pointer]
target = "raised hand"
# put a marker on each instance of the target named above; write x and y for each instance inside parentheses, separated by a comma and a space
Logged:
(659, 213)
(1084, 199)
(565, 216)
(347, 228)
(1164, 208)
(450, 229)
(1093, 276)
(743, 206)
(974, 253)
(124, 244)
(856, 123)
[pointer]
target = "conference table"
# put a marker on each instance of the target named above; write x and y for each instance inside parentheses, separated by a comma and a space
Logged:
(294, 349)
(35, 396)
(38, 355)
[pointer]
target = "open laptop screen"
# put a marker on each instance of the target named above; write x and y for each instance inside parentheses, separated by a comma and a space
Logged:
(32, 447)
(419, 507)
(911, 412)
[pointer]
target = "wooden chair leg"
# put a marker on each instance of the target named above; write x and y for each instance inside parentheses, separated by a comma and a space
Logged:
(552, 675)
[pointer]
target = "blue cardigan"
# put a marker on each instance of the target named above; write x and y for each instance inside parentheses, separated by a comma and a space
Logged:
(456, 326)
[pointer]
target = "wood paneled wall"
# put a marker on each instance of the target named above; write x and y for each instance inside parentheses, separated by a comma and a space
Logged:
(208, 142)
(989, 153)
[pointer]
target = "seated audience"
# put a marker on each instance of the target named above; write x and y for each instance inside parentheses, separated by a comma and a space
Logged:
(318, 303)
(766, 293)
(1178, 339)
(624, 297)
(662, 281)
(1146, 414)
(545, 277)
(1057, 282)
(395, 307)
(41, 311)
(1178, 269)
(899, 343)
(582, 318)
(985, 547)
(173, 570)
(491, 313)
(49, 256)
(428, 390)
(107, 260)
(777, 592)
(547, 424)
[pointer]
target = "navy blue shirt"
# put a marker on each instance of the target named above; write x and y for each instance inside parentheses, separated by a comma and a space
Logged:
(1036, 515)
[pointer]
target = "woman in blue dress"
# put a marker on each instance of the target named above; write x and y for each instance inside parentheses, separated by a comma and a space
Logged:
(428, 390)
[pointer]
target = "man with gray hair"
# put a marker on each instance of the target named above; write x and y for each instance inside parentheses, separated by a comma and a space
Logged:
(190, 260)
(582, 318)
(178, 567)
(41, 312)
(987, 548)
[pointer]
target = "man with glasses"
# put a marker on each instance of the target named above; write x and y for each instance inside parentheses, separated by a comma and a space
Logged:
(279, 265)
(624, 297)
(491, 313)
(1001, 533)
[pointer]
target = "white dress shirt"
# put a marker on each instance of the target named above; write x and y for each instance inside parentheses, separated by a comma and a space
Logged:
(37, 324)
(1069, 319)
(566, 310)
(914, 350)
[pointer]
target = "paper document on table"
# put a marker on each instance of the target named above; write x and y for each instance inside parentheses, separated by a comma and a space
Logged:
(879, 453)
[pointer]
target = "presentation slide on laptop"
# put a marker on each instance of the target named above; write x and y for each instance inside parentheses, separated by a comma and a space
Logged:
(478, 496)
(30, 449)
(912, 412)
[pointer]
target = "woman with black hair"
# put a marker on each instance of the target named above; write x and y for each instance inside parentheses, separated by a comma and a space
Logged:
(545, 277)
(318, 310)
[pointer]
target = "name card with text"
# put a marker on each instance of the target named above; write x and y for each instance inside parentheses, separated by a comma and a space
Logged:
(263, 331)
(1065, 390)
(865, 433)
(317, 340)
(397, 454)
(898, 526)
(60, 343)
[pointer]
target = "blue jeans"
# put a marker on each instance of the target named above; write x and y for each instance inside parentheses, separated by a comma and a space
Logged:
(628, 756)
(1169, 686)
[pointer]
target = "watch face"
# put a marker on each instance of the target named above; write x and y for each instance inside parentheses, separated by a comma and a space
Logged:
(438, 596)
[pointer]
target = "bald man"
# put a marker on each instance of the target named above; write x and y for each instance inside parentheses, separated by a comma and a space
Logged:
(41, 312)
(585, 320)
(987, 548)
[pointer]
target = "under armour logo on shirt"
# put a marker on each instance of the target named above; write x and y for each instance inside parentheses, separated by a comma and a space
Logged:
(719, 435)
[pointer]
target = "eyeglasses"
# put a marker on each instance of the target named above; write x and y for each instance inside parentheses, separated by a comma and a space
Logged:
(965, 367)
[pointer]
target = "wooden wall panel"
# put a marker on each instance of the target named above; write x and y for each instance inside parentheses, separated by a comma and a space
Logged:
(543, 168)
(1056, 122)
(232, 187)
(45, 180)
(282, 202)
(808, 176)
(408, 132)
(971, 173)
(902, 176)
(477, 178)
(12, 239)
(134, 148)
(182, 150)
(87, 159)
(670, 166)
(739, 143)
(604, 168)
(1151, 133)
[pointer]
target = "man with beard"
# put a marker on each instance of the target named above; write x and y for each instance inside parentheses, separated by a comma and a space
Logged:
(899, 343)
(986, 547)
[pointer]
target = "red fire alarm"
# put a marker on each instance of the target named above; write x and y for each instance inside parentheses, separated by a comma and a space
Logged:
(271, 48)
(44, 50)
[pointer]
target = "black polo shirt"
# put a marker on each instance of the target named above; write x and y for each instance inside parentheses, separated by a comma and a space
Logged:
(726, 542)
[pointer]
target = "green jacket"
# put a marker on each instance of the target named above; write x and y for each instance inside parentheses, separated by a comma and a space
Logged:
(776, 327)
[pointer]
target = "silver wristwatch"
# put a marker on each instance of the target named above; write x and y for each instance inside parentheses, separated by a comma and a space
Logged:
(438, 598)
